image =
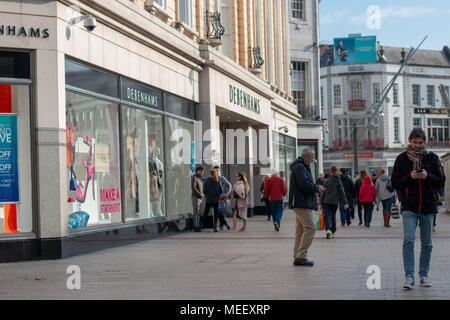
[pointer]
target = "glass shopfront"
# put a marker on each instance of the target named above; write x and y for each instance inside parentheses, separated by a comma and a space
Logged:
(285, 152)
(16, 183)
(124, 178)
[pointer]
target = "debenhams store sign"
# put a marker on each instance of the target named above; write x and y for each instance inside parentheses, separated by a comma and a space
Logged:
(23, 32)
(243, 99)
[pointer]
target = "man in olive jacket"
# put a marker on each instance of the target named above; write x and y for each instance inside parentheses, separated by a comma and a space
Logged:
(302, 199)
(197, 196)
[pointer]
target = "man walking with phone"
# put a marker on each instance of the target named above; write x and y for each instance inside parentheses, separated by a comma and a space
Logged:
(417, 176)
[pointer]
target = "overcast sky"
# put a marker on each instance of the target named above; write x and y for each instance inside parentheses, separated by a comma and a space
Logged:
(404, 23)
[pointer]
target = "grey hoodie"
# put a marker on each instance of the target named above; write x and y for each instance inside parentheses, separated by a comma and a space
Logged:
(380, 186)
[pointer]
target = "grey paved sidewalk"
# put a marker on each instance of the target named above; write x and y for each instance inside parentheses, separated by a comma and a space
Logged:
(256, 264)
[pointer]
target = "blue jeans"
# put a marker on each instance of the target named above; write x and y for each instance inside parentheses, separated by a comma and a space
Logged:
(387, 204)
(276, 209)
(330, 217)
(345, 214)
(410, 220)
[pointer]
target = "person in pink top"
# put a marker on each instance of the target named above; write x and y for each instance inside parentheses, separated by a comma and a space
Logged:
(367, 195)
(276, 189)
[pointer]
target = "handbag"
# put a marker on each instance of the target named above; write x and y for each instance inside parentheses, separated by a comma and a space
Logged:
(317, 222)
(73, 181)
(395, 211)
(222, 205)
(322, 218)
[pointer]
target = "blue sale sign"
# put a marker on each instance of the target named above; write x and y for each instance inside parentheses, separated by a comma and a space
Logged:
(193, 157)
(9, 165)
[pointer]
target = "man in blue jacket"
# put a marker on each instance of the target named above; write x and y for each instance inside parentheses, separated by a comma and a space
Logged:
(302, 199)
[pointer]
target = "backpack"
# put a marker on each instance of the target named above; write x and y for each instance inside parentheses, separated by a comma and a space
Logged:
(389, 186)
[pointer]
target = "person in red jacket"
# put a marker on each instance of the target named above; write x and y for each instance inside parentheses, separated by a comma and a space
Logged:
(367, 195)
(276, 189)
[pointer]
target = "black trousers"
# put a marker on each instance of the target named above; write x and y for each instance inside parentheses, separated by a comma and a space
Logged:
(360, 208)
(217, 215)
(368, 208)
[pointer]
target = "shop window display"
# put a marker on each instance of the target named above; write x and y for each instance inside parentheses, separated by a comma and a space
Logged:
(16, 217)
(92, 138)
(143, 164)
(179, 137)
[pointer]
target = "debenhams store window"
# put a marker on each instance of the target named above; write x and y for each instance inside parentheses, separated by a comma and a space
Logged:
(123, 145)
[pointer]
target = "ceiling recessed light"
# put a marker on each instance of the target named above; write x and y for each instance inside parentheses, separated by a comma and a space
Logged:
(228, 117)
(238, 120)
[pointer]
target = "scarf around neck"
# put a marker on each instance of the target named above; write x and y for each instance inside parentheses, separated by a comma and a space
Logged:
(412, 155)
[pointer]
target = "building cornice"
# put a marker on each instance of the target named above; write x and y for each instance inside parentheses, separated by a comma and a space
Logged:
(134, 22)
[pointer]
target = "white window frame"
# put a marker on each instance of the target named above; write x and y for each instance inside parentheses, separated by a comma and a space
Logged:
(298, 12)
(337, 95)
(356, 90)
(185, 17)
(161, 3)
(376, 92)
(431, 96)
(395, 95)
(299, 80)
(419, 125)
(396, 129)
(415, 100)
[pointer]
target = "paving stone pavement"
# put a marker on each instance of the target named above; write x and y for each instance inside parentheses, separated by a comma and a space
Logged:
(256, 264)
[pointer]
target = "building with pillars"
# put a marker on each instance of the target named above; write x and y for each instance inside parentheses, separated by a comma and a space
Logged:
(419, 98)
(305, 71)
(111, 104)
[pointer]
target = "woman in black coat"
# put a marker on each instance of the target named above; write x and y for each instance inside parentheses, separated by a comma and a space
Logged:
(213, 193)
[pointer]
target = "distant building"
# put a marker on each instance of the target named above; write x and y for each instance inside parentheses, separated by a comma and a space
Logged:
(418, 99)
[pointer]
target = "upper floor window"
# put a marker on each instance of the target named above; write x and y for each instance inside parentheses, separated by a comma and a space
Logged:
(416, 94)
(430, 95)
(298, 9)
(299, 83)
(396, 129)
(337, 94)
(185, 12)
(376, 92)
(395, 94)
(161, 3)
(356, 90)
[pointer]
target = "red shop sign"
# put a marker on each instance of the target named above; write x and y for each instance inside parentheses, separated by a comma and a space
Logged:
(360, 155)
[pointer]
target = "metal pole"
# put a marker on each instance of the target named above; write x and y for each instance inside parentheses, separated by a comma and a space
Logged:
(355, 153)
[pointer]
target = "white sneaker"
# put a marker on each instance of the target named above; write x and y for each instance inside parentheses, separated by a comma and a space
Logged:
(409, 283)
(425, 282)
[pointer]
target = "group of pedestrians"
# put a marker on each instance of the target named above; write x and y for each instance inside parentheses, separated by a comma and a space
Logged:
(209, 192)
(417, 177)
(417, 181)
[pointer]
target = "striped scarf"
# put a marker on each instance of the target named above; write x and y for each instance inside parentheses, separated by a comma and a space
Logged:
(412, 154)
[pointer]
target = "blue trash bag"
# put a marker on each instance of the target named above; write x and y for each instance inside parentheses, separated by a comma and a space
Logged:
(78, 219)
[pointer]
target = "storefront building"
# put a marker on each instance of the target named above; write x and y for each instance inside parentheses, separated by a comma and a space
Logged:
(104, 123)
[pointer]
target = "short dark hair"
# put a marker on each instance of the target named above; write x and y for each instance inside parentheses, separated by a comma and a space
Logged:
(200, 168)
(417, 133)
(216, 167)
(333, 170)
(343, 170)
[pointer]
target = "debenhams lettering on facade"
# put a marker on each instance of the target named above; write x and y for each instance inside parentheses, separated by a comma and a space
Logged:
(142, 97)
(243, 99)
(23, 32)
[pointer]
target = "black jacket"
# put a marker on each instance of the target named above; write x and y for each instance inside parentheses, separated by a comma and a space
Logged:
(417, 195)
(212, 190)
(302, 189)
(349, 187)
(358, 185)
(334, 191)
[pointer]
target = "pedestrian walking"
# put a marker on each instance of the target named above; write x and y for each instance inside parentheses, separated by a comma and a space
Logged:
(349, 190)
(276, 190)
(385, 194)
(417, 176)
(264, 198)
(358, 185)
(374, 178)
(226, 187)
(367, 195)
(240, 190)
(197, 196)
(440, 202)
(320, 180)
(333, 194)
(302, 199)
(213, 192)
